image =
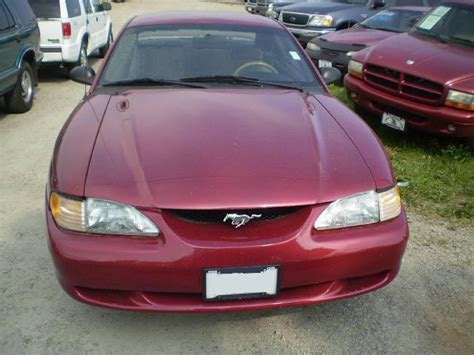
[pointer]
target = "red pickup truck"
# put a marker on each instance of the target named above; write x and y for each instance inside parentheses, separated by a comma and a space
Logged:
(423, 79)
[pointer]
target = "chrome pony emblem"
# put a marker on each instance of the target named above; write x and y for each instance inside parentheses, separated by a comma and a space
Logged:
(292, 19)
(240, 220)
(410, 62)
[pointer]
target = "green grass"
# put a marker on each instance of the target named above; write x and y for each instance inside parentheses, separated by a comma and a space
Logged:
(440, 170)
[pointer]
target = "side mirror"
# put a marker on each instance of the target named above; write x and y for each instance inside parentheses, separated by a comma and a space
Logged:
(106, 6)
(377, 4)
(330, 75)
(82, 75)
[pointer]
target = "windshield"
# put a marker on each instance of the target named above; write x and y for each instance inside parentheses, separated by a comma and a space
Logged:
(352, 2)
(185, 52)
(394, 20)
(46, 8)
(451, 23)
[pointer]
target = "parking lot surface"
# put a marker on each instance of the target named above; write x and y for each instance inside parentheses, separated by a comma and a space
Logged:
(429, 308)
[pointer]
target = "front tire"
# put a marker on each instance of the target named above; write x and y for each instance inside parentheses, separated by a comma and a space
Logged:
(20, 99)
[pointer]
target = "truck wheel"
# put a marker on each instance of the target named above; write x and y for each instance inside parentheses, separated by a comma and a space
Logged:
(20, 99)
(103, 51)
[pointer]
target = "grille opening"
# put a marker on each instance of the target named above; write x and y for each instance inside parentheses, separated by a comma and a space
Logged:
(295, 19)
(383, 82)
(420, 93)
(384, 71)
(423, 82)
(217, 216)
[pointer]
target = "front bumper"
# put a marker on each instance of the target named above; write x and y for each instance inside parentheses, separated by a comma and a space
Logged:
(165, 274)
(306, 34)
(258, 9)
(339, 60)
(440, 120)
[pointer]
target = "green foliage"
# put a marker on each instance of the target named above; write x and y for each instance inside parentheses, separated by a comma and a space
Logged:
(440, 170)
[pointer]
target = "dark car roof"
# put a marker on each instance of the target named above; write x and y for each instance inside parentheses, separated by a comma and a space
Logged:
(202, 17)
(412, 8)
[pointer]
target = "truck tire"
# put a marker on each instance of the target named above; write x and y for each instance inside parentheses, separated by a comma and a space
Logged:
(110, 39)
(20, 99)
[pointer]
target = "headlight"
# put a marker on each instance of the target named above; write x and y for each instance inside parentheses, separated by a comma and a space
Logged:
(99, 217)
(313, 46)
(321, 21)
(460, 100)
(361, 209)
(351, 53)
(355, 68)
(270, 7)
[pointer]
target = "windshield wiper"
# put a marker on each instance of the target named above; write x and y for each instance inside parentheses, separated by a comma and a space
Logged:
(152, 82)
(384, 29)
(240, 80)
(460, 39)
(428, 33)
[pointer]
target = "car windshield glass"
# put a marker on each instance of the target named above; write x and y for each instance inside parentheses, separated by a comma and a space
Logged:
(449, 23)
(393, 20)
(351, 2)
(216, 53)
(46, 8)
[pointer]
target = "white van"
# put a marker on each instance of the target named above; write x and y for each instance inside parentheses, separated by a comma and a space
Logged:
(72, 29)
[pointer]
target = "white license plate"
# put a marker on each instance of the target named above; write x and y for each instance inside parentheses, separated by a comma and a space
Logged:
(393, 121)
(241, 283)
(324, 63)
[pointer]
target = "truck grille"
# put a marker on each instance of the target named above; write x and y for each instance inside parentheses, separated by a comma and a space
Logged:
(217, 216)
(292, 18)
(404, 85)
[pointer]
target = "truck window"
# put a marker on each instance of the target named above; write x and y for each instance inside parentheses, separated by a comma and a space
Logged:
(4, 23)
(46, 8)
(73, 8)
(23, 11)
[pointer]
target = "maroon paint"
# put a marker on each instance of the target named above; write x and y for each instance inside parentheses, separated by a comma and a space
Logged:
(209, 149)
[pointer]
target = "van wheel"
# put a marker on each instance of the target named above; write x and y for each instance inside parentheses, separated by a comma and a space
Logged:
(20, 99)
(103, 51)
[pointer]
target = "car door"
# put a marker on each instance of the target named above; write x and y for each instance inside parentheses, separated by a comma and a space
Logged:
(92, 26)
(9, 48)
(102, 28)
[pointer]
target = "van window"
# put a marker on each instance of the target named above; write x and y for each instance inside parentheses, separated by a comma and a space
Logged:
(73, 8)
(4, 23)
(46, 8)
(24, 12)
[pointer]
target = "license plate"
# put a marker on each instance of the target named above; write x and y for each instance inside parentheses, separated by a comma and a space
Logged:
(324, 63)
(249, 9)
(241, 283)
(393, 121)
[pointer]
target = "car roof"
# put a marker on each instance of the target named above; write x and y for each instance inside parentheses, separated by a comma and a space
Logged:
(202, 17)
(465, 2)
(411, 8)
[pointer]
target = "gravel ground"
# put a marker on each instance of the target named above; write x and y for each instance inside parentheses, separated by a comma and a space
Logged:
(429, 308)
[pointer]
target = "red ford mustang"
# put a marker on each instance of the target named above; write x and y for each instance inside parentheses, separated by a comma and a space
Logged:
(208, 169)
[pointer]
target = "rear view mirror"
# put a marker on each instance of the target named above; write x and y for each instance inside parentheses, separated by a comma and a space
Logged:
(106, 6)
(330, 75)
(82, 75)
(376, 4)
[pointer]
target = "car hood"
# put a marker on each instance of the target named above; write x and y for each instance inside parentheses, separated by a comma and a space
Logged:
(436, 61)
(321, 8)
(358, 36)
(212, 149)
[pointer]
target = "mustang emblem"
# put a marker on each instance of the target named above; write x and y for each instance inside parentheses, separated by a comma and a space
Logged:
(240, 220)
(292, 19)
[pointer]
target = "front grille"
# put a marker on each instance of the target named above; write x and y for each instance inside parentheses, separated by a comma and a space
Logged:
(292, 18)
(217, 216)
(404, 85)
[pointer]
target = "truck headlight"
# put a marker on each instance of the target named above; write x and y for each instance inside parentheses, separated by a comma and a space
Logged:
(355, 68)
(361, 209)
(99, 217)
(321, 21)
(460, 100)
